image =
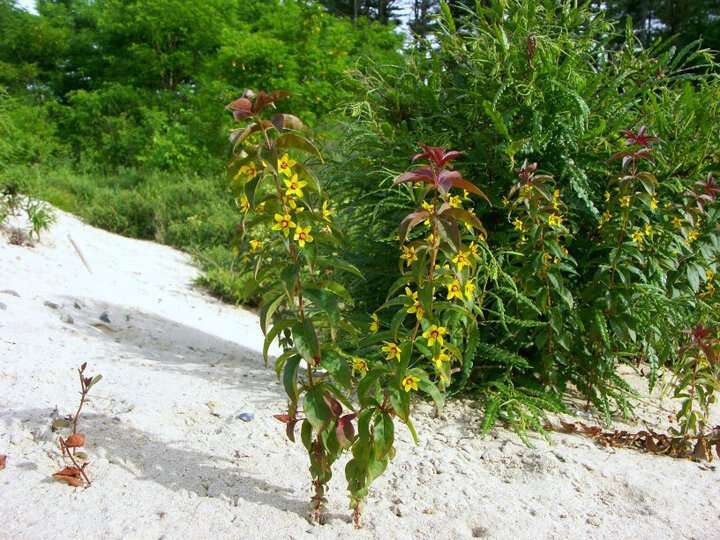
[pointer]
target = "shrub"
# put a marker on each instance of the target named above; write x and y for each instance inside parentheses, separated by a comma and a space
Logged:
(597, 282)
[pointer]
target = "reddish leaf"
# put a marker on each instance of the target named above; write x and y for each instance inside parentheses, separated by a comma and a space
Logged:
(446, 179)
(437, 155)
(471, 188)
(264, 99)
(345, 431)
(410, 221)
(467, 217)
(76, 440)
(287, 121)
(70, 475)
(3, 460)
(241, 108)
(284, 418)
(638, 138)
(334, 404)
(290, 430)
(423, 174)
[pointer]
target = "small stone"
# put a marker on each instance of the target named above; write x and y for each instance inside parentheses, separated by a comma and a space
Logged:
(479, 532)
(246, 417)
(67, 319)
(51, 305)
(10, 292)
(3, 307)
(77, 306)
(104, 317)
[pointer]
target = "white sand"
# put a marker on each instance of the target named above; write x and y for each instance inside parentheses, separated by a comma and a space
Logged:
(170, 459)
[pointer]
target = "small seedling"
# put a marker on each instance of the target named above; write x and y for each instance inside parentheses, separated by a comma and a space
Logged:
(40, 217)
(75, 474)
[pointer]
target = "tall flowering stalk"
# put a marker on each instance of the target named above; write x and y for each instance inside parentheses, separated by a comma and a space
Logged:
(289, 230)
(346, 390)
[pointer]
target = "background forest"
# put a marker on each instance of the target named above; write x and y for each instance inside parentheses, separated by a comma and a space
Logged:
(114, 110)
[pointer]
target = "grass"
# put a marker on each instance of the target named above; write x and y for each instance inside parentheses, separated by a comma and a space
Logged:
(196, 214)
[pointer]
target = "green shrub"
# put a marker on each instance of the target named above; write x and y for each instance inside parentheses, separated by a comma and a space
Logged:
(550, 83)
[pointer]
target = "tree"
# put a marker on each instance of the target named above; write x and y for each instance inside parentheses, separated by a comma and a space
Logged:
(686, 20)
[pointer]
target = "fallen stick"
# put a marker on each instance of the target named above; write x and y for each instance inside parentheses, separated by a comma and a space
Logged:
(77, 250)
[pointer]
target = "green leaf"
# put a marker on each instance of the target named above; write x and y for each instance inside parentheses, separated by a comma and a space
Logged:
(316, 410)
(306, 434)
(384, 435)
(400, 401)
(447, 16)
(339, 264)
(427, 386)
(338, 367)
(306, 340)
(290, 377)
(325, 301)
(298, 142)
(268, 310)
(273, 333)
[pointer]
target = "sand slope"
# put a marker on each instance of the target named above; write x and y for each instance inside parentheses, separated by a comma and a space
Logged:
(170, 458)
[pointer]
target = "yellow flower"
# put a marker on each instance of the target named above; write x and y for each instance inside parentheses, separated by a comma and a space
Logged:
(607, 216)
(461, 260)
(469, 226)
(415, 306)
(359, 365)
(408, 255)
(374, 323)
(410, 383)
(285, 165)
(504, 201)
(294, 186)
(519, 225)
(454, 290)
(391, 350)
(435, 334)
(302, 235)
(327, 212)
(653, 203)
(243, 203)
(294, 206)
(637, 237)
(455, 201)
(255, 245)
(473, 248)
(648, 230)
(556, 199)
(469, 290)
(677, 221)
(429, 208)
(526, 190)
(283, 223)
(555, 220)
(625, 201)
(565, 251)
(607, 196)
(692, 236)
(247, 172)
(440, 357)
(709, 275)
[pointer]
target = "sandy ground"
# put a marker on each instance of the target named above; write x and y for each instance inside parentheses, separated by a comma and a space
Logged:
(171, 459)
